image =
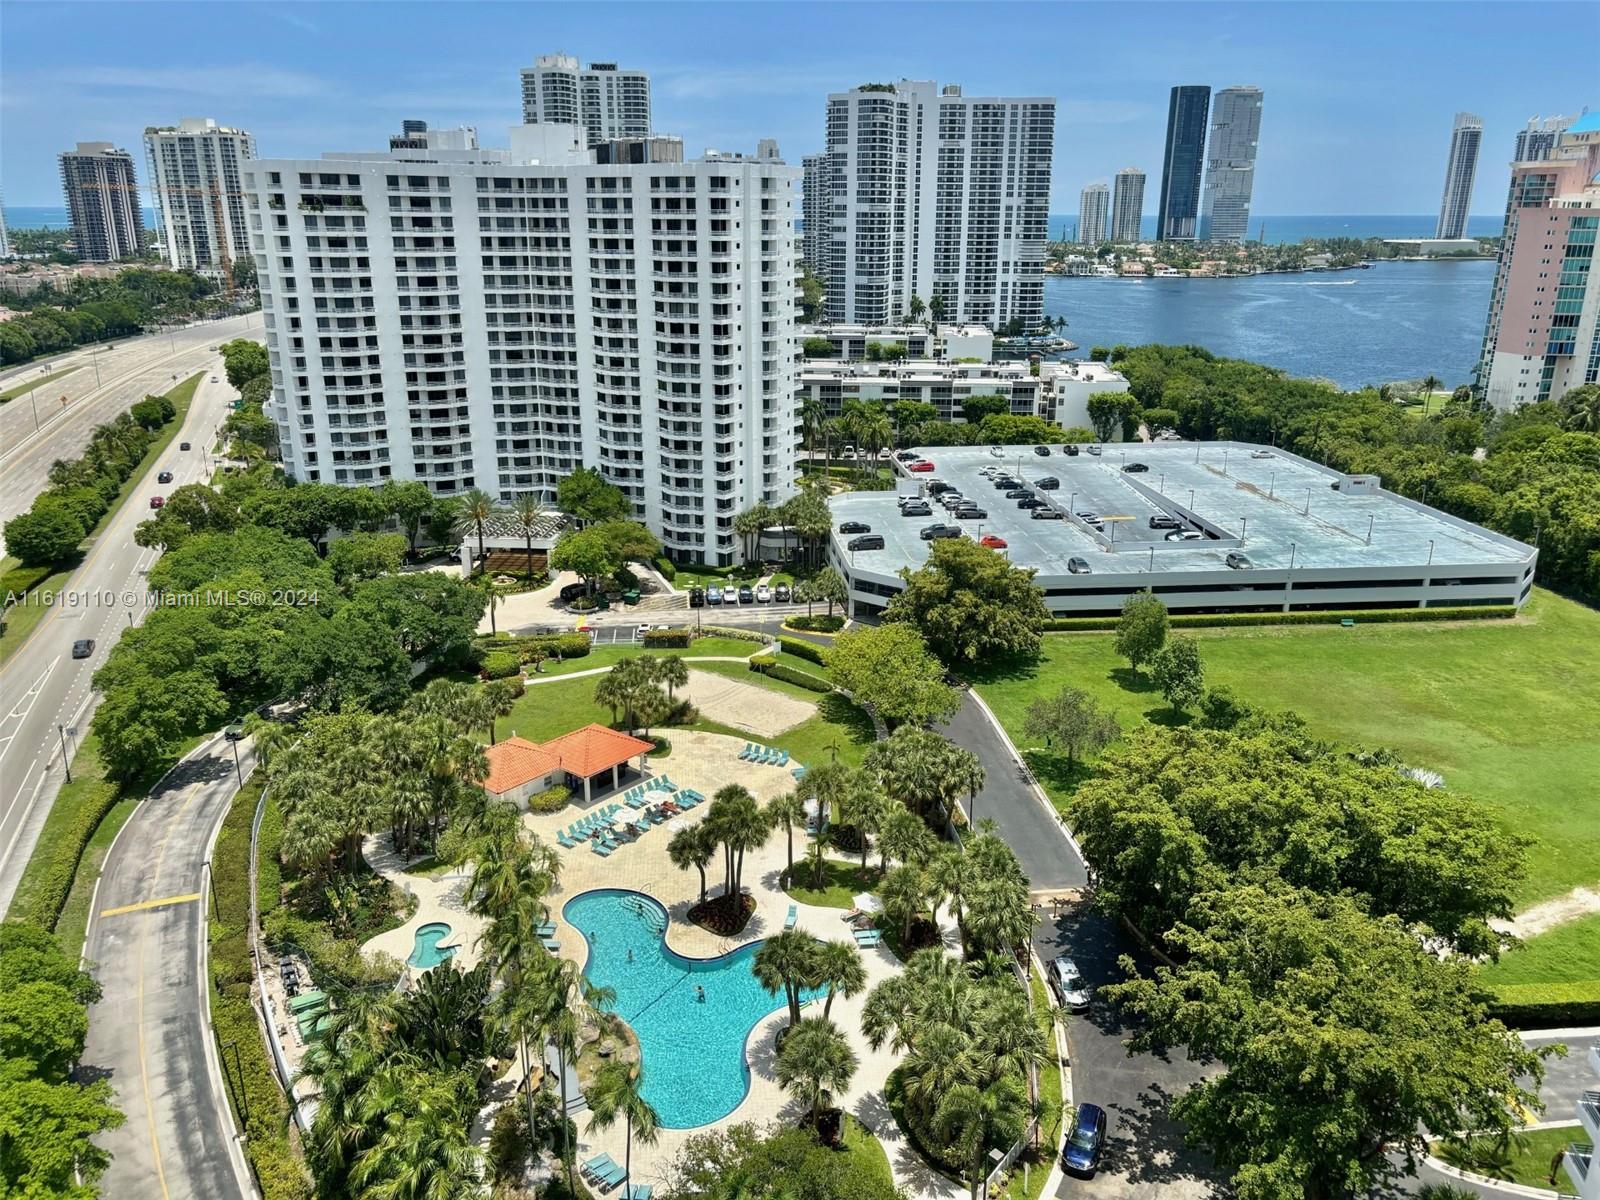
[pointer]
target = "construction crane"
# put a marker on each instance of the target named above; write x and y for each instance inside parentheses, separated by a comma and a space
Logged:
(215, 193)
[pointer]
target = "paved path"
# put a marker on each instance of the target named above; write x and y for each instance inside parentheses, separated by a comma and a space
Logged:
(151, 1035)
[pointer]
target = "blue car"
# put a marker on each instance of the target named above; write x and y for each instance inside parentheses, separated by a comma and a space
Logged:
(1081, 1155)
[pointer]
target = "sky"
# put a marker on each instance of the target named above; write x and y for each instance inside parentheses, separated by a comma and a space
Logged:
(1359, 98)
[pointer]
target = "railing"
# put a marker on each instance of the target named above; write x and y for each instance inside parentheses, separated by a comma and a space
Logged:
(279, 1061)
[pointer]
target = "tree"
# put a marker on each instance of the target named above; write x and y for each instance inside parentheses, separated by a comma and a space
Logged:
(410, 502)
(904, 892)
(736, 823)
(693, 846)
(816, 1062)
(975, 408)
(530, 517)
(1107, 411)
(673, 672)
(587, 497)
(970, 604)
(936, 310)
(922, 769)
(1073, 719)
(839, 969)
(46, 534)
(1581, 409)
(818, 347)
(477, 507)
(1345, 1041)
(972, 1119)
(788, 962)
(1179, 673)
(192, 509)
(890, 670)
(787, 810)
(827, 585)
(358, 556)
(244, 360)
(1429, 385)
(1142, 628)
(616, 1093)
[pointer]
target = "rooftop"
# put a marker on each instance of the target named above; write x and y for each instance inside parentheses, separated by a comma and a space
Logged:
(594, 748)
(515, 761)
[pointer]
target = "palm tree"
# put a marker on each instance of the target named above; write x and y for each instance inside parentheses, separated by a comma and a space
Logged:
(692, 847)
(863, 807)
(787, 810)
(736, 821)
(673, 672)
(1010, 1041)
(1430, 384)
(817, 853)
(972, 1118)
(529, 515)
(904, 892)
(425, 1151)
(492, 599)
(477, 506)
(496, 699)
(999, 915)
(1582, 405)
(816, 1063)
(840, 970)
(788, 962)
(615, 1093)
(949, 875)
(813, 415)
(903, 836)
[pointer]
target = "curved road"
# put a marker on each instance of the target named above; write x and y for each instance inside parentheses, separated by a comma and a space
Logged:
(151, 1035)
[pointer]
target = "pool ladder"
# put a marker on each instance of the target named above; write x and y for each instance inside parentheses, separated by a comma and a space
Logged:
(649, 913)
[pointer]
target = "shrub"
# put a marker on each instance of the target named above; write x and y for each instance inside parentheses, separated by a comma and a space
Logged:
(550, 645)
(682, 712)
(819, 623)
(19, 581)
(660, 639)
(662, 563)
(50, 895)
(1371, 616)
(552, 799)
(801, 649)
(764, 661)
(800, 678)
(501, 664)
(1547, 1005)
(663, 746)
(732, 631)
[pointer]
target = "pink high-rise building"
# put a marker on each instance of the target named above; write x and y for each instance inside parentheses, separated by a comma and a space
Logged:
(1543, 335)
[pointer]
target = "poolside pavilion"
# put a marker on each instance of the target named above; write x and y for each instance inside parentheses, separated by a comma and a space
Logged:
(592, 755)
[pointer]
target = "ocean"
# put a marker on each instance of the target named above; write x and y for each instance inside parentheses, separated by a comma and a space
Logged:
(1063, 226)
(22, 216)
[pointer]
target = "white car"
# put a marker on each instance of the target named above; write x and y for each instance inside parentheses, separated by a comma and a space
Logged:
(763, 594)
(213, 379)
(1261, 454)
(1069, 984)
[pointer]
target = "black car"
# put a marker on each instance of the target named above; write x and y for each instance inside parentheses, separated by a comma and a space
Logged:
(906, 456)
(183, 445)
(1018, 493)
(697, 597)
(164, 477)
(936, 530)
(780, 593)
(1135, 469)
(82, 648)
(938, 487)
(1048, 484)
(1045, 514)
(571, 592)
(746, 594)
(855, 527)
(872, 541)
(1030, 502)
(1042, 451)
(971, 512)
(1072, 452)
(234, 732)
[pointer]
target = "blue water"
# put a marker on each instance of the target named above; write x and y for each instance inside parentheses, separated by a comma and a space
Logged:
(23, 216)
(426, 953)
(1396, 321)
(1298, 227)
(694, 1068)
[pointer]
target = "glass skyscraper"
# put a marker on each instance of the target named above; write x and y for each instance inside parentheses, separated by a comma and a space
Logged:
(1179, 214)
(1231, 164)
(1460, 170)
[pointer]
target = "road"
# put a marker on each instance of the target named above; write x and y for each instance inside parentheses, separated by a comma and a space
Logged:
(151, 1035)
(46, 694)
(108, 380)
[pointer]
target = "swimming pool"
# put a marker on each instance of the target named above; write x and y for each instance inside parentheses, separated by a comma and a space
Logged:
(426, 953)
(694, 1069)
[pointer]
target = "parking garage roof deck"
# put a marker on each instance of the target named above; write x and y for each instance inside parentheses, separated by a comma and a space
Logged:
(1260, 506)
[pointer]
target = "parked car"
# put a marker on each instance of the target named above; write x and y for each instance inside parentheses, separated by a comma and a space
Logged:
(1018, 493)
(855, 527)
(1087, 1141)
(997, 451)
(746, 595)
(1238, 561)
(937, 487)
(971, 512)
(1072, 452)
(916, 510)
(1046, 514)
(1079, 566)
(906, 456)
(183, 445)
(1186, 535)
(849, 451)
(1042, 451)
(82, 648)
(883, 454)
(1261, 454)
(1095, 450)
(993, 542)
(234, 732)
(869, 541)
(920, 466)
(763, 594)
(157, 501)
(938, 530)
(1068, 983)
(1162, 521)
(1048, 484)
(1135, 468)
(713, 596)
(164, 477)
(697, 597)
(780, 593)
(1031, 502)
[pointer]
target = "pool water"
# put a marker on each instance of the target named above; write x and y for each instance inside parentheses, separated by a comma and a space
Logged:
(694, 1068)
(427, 953)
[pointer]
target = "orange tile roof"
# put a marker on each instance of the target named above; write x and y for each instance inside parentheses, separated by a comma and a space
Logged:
(594, 748)
(515, 761)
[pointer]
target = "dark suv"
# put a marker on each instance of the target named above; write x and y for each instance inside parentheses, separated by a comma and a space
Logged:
(855, 527)
(697, 597)
(869, 541)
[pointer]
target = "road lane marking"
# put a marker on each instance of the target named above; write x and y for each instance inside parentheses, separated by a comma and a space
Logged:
(144, 1075)
(144, 904)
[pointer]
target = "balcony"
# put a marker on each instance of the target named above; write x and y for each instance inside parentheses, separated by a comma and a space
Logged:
(1580, 1163)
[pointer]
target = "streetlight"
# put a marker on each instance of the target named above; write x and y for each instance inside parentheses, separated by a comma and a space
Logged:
(1244, 524)
(1430, 552)
(1288, 579)
(1191, 502)
(1370, 520)
(1224, 462)
(1272, 485)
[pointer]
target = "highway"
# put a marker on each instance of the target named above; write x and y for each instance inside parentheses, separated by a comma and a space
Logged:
(107, 380)
(45, 694)
(151, 1034)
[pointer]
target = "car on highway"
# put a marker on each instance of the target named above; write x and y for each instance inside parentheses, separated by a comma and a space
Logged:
(713, 595)
(993, 542)
(855, 527)
(82, 648)
(763, 594)
(746, 595)
(1087, 1141)
(697, 597)
(939, 530)
(157, 501)
(164, 477)
(1079, 566)
(1135, 468)
(183, 445)
(1067, 983)
(781, 593)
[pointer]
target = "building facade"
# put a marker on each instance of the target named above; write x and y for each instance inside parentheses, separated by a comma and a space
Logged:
(816, 197)
(5, 238)
(1178, 218)
(102, 194)
(1538, 138)
(494, 319)
(939, 196)
(1127, 206)
(1461, 168)
(1094, 214)
(606, 101)
(195, 179)
(1543, 334)
(1231, 164)
(848, 343)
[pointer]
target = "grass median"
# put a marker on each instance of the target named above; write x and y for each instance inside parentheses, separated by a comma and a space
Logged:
(44, 381)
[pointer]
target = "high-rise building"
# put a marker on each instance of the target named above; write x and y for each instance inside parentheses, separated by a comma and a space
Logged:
(939, 196)
(1094, 209)
(1461, 168)
(606, 101)
(816, 200)
(495, 318)
(194, 177)
(5, 238)
(102, 194)
(415, 135)
(1127, 206)
(1537, 139)
(1231, 164)
(1179, 214)
(1543, 334)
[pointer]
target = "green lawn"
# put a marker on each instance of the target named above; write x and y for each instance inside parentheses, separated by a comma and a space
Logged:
(1527, 1161)
(1567, 952)
(42, 380)
(1505, 710)
(870, 1159)
(611, 655)
(841, 881)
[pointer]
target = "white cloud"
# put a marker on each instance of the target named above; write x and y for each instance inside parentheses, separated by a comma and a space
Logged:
(242, 80)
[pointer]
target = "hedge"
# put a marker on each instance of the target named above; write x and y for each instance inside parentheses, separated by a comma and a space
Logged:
(1368, 616)
(821, 623)
(793, 675)
(552, 799)
(92, 796)
(802, 649)
(662, 563)
(551, 645)
(501, 664)
(732, 631)
(1547, 1005)
(667, 639)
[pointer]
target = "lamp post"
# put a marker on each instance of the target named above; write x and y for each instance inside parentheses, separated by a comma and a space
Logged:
(1191, 501)
(1244, 526)
(1288, 579)
(32, 403)
(1430, 552)
(1370, 520)
(1272, 486)
(1224, 462)
(66, 763)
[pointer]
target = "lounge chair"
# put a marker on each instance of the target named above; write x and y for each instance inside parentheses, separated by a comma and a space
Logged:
(601, 849)
(551, 945)
(637, 1191)
(783, 758)
(610, 1177)
(868, 940)
(564, 840)
(798, 772)
(597, 1164)
(548, 928)
(793, 917)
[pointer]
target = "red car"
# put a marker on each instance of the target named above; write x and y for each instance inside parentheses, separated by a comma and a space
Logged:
(920, 465)
(994, 543)
(156, 501)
